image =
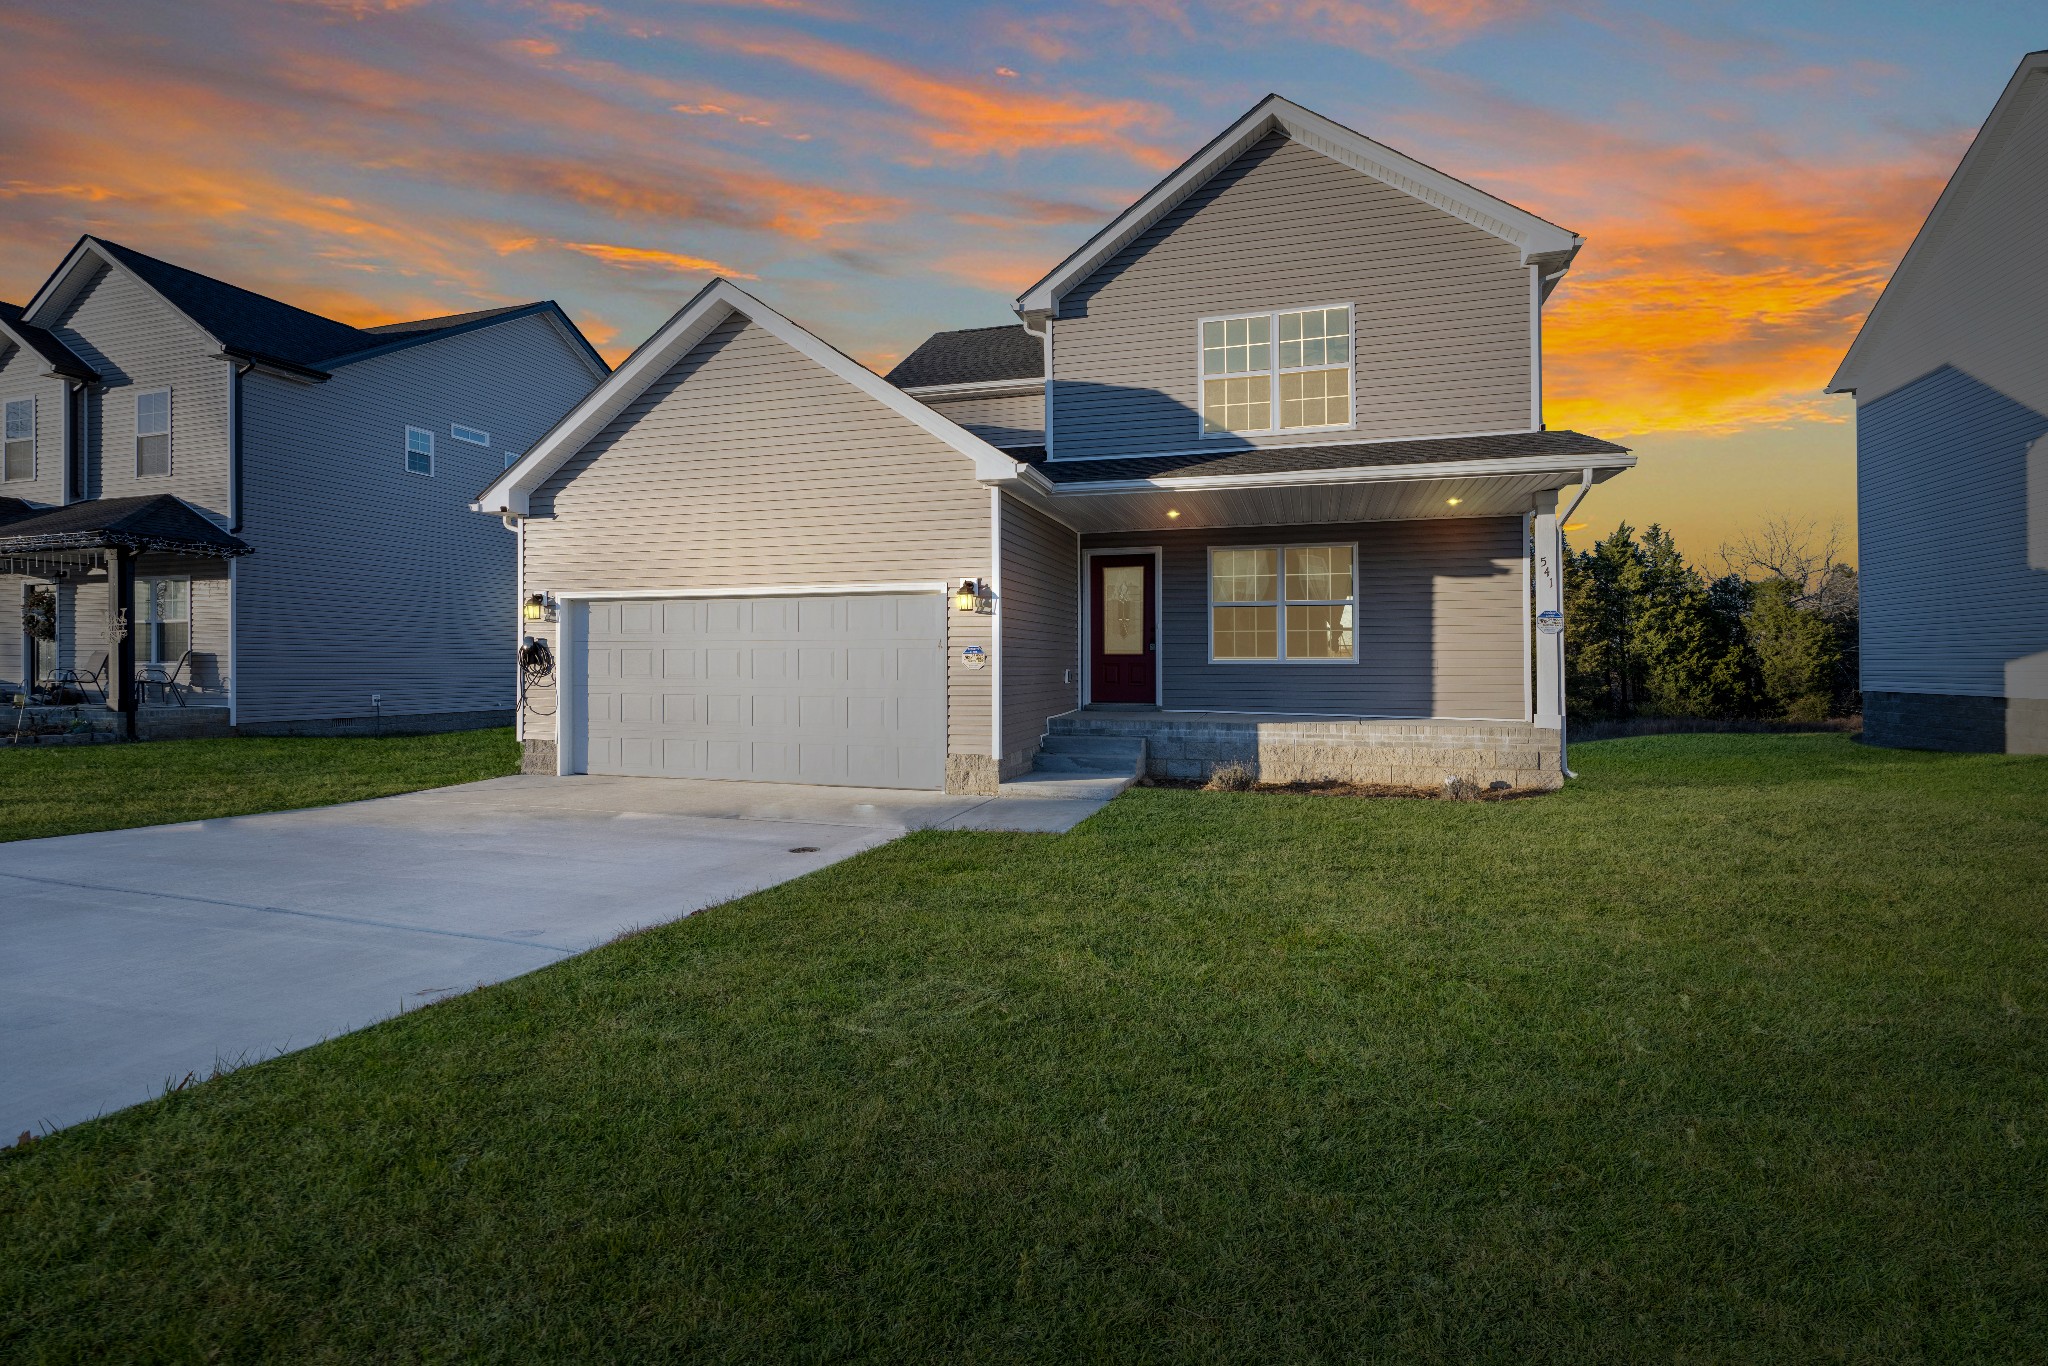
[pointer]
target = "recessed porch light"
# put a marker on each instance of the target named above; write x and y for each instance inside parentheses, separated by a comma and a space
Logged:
(1454, 501)
(1172, 513)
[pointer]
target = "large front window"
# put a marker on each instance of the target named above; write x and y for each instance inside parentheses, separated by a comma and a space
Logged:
(164, 619)
(1301, 356)
(1274, 603)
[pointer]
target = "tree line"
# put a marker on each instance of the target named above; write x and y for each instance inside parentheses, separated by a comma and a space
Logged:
(1771, 636)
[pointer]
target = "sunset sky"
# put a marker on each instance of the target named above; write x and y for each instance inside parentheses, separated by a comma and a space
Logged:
(879, 171)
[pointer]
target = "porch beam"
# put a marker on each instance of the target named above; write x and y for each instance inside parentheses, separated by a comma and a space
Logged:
(121, 628)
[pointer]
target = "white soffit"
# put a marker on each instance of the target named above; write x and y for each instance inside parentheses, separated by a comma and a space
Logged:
(1540, 241)
(695, 321)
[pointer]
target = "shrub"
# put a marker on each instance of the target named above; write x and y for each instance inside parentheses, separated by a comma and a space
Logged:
(1231, 778)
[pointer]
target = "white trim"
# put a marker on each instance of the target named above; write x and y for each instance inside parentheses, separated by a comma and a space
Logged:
(511, 492)
(572, 682)
(1273, 371)
(1536, 237)
(1282, 602)
(995, 626)
(169, 432)
(1050, 323)
(428, 472)
(1528, 615)
(456, 430)
(981, 388)
(765, 591)
(1158, 554)
(1535, 347)
(519, 631)
(234, 667)
(35, 445)
(1376, 474)
(1209, 447)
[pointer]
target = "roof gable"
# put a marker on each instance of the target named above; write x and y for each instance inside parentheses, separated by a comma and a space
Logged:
(511, 492)
(2027, 88)
(1540, 241)
(59, 358)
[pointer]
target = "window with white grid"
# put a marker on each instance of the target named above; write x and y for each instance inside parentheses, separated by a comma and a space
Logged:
(1296, 603)
(19, 460)
(419, 451)
(1276, 372)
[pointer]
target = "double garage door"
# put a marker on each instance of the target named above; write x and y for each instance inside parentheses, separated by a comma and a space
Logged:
(848, 691)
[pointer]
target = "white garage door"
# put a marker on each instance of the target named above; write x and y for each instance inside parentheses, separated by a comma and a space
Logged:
(843, 690)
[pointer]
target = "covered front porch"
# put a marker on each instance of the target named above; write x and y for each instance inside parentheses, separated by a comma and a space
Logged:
(124, 616)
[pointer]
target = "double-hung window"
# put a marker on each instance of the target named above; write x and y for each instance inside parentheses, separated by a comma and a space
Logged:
(153, 434)
(165, 608)
(1264, 373)
(19, 458)
(1283, 603)
(419, 451)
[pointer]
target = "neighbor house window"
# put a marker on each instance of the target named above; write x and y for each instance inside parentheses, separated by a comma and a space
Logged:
(164, 608)
(153, 434)
(419, 450)
(1297, 602)
(19, 458)
(473, 435)
(1276, 372)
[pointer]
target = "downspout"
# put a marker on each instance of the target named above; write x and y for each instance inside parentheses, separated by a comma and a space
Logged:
(235, 373)
(1564, 763)
(995, 594)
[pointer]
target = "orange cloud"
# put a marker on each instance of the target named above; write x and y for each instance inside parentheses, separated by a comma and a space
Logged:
(1373, 25)
(954, 118)
(645, 258)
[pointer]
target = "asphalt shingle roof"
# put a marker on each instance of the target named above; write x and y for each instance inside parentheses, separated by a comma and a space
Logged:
(60, 357)
(1296, 459)
(157, 522)
(974, 356)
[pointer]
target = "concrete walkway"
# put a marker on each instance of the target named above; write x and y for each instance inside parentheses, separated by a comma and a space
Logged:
(131, 958)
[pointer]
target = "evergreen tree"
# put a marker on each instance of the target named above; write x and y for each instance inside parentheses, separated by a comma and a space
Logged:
(1798, 653)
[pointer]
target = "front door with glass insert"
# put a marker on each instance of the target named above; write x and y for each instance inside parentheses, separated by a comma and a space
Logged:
(1124, 647)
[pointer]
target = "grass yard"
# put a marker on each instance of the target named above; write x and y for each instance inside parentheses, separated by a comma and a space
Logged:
(1736, 1051)
(70, 789)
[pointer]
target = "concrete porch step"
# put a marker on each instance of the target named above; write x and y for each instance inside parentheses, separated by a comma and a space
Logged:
(1091, 754)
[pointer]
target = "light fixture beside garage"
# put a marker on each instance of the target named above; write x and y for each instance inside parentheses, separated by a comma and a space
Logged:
(967, 597)
(539, 607)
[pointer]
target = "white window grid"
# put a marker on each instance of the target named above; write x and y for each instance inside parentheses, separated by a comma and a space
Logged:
(419, 451)
(1282, 600)
(153, 422)
(19, 429)
(1273, 370)
(475, 436)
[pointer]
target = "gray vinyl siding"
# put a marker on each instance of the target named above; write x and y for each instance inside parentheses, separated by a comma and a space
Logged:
(1012, 420)
(1952, 590)
(746, 465)
(1440, 613)
(366, 578)
(1041, 584)
(137, 342)
(1441, 309)
(22, 376)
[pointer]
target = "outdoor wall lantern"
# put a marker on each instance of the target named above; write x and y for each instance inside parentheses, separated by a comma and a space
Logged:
(967, 597)
(539, 608)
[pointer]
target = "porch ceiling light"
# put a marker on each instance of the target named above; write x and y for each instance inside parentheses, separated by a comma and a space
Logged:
(967, 597)
(1454, 501)
(1172, 513)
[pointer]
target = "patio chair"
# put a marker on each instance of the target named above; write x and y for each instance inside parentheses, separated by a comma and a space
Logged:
(170, 680)
(94, 677)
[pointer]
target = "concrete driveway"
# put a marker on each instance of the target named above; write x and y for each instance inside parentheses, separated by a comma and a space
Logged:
(131, 958)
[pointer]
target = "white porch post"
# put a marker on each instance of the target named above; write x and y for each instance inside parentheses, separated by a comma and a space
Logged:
(1547, 570)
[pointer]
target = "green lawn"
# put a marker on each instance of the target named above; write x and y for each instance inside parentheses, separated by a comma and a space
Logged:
(68, 789)
(1736, 1051)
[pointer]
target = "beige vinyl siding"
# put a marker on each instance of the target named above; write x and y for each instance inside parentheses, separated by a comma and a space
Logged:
(748, 466)
(22, 376)
(1440, 612)
(1041, 584)
(138, 343)
(1010, 420)
(367, 578)
(1441, 309)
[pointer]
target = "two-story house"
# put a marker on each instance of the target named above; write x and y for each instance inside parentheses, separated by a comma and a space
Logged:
(263, 508)
(1950, 374)
(1260, 475)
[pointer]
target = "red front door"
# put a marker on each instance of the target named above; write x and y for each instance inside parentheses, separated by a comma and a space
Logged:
(1123, 636)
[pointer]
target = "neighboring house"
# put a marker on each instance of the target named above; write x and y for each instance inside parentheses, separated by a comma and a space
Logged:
(1950, 374)
(190, 467)
(1262, 475)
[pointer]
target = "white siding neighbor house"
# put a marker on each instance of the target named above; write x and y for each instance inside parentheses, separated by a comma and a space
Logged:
(222, 513)
(1950, 374)
(1259, 475)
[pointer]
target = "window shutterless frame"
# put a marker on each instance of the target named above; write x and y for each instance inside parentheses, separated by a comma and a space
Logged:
(1274, 370)
(1281, 601)
(475, 436)
(153, 452)
(18, 455)
(419, 451)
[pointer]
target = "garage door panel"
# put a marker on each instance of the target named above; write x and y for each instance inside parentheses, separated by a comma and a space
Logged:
(840, 690)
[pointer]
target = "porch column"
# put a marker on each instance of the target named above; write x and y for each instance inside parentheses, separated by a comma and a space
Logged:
(121, 633)
(1547, 575)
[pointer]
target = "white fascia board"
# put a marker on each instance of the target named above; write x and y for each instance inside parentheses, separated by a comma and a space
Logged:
(509, 494)
(88, 247)
(1538, 239)
(1927, 240)
(985, 388)
(1604, 465)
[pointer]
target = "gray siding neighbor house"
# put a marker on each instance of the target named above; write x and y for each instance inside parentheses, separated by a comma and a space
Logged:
(1260, 475)
(222, 513)
(1950, 374)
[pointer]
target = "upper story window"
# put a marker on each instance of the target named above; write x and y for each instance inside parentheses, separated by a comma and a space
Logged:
(1277, 372)
(153, 434)
(419, 451)
(19, 460)
(475, 436)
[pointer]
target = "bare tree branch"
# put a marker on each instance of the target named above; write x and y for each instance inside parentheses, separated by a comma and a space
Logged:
(1786, 549)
